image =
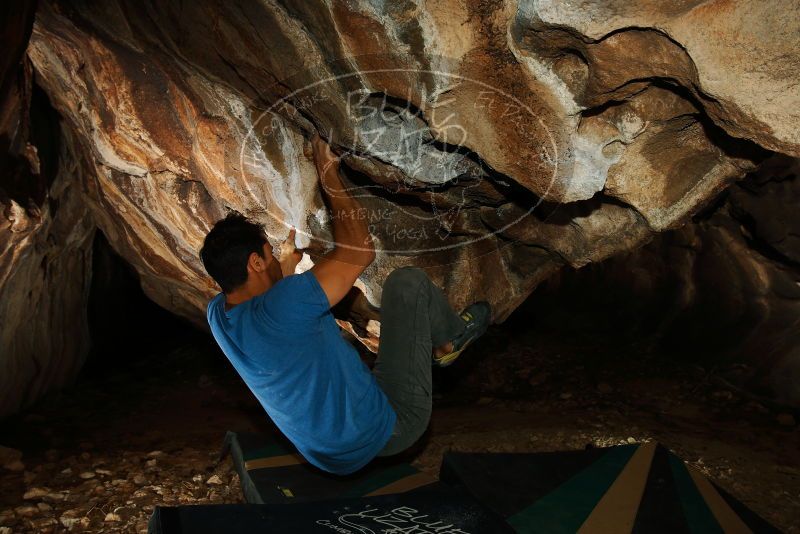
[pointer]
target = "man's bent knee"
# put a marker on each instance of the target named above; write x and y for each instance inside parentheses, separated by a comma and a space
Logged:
(404, 277)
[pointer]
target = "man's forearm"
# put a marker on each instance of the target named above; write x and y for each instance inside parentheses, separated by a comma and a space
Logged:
(350, 232)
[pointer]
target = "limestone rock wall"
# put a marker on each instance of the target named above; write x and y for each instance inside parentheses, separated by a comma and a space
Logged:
(45, 273)
(491, 143)
(45, 233)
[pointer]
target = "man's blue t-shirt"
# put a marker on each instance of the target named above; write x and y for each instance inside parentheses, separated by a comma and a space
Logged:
(289, 350)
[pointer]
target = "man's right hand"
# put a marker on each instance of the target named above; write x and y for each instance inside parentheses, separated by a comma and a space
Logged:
(324, 158)
(338, 270)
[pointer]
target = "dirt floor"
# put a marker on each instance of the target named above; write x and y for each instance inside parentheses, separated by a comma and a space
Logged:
(99, 456)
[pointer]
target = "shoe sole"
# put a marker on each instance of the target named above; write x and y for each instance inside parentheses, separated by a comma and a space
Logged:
(450, 357)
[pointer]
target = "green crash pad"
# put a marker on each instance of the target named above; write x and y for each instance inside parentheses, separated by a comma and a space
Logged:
(271, 471)
(631, 488)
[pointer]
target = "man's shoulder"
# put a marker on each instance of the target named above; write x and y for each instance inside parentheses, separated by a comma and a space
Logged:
(214, 303)
(217, 320)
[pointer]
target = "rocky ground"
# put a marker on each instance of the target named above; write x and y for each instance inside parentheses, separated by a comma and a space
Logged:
(100, 456)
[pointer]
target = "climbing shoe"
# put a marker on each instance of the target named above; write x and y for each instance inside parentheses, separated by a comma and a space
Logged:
(477, 317)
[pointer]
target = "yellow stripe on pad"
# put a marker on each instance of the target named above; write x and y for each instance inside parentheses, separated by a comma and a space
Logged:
(404, 484)
(729, 521)
(274, 461)
(616, 511)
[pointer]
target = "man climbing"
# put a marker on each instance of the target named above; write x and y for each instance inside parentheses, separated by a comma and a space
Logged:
(278, 331)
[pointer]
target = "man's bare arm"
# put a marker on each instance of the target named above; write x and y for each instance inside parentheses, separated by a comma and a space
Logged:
(353, 250)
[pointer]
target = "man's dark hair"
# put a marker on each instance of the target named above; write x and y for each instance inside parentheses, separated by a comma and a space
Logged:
(227, 248)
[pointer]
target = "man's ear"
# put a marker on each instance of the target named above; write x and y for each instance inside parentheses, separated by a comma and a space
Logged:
(256, 263)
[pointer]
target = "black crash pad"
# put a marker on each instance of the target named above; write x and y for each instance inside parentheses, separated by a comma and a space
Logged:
(429, 512)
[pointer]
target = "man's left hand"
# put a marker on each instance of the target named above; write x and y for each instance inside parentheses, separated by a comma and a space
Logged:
(288, 255)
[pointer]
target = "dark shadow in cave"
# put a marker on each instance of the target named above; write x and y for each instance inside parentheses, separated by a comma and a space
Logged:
(124, 324)
(19, 182)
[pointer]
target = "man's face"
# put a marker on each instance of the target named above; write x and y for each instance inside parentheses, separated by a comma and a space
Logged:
(273, 267)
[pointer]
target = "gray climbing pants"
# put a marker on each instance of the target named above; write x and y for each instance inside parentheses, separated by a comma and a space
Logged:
(415, 318)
